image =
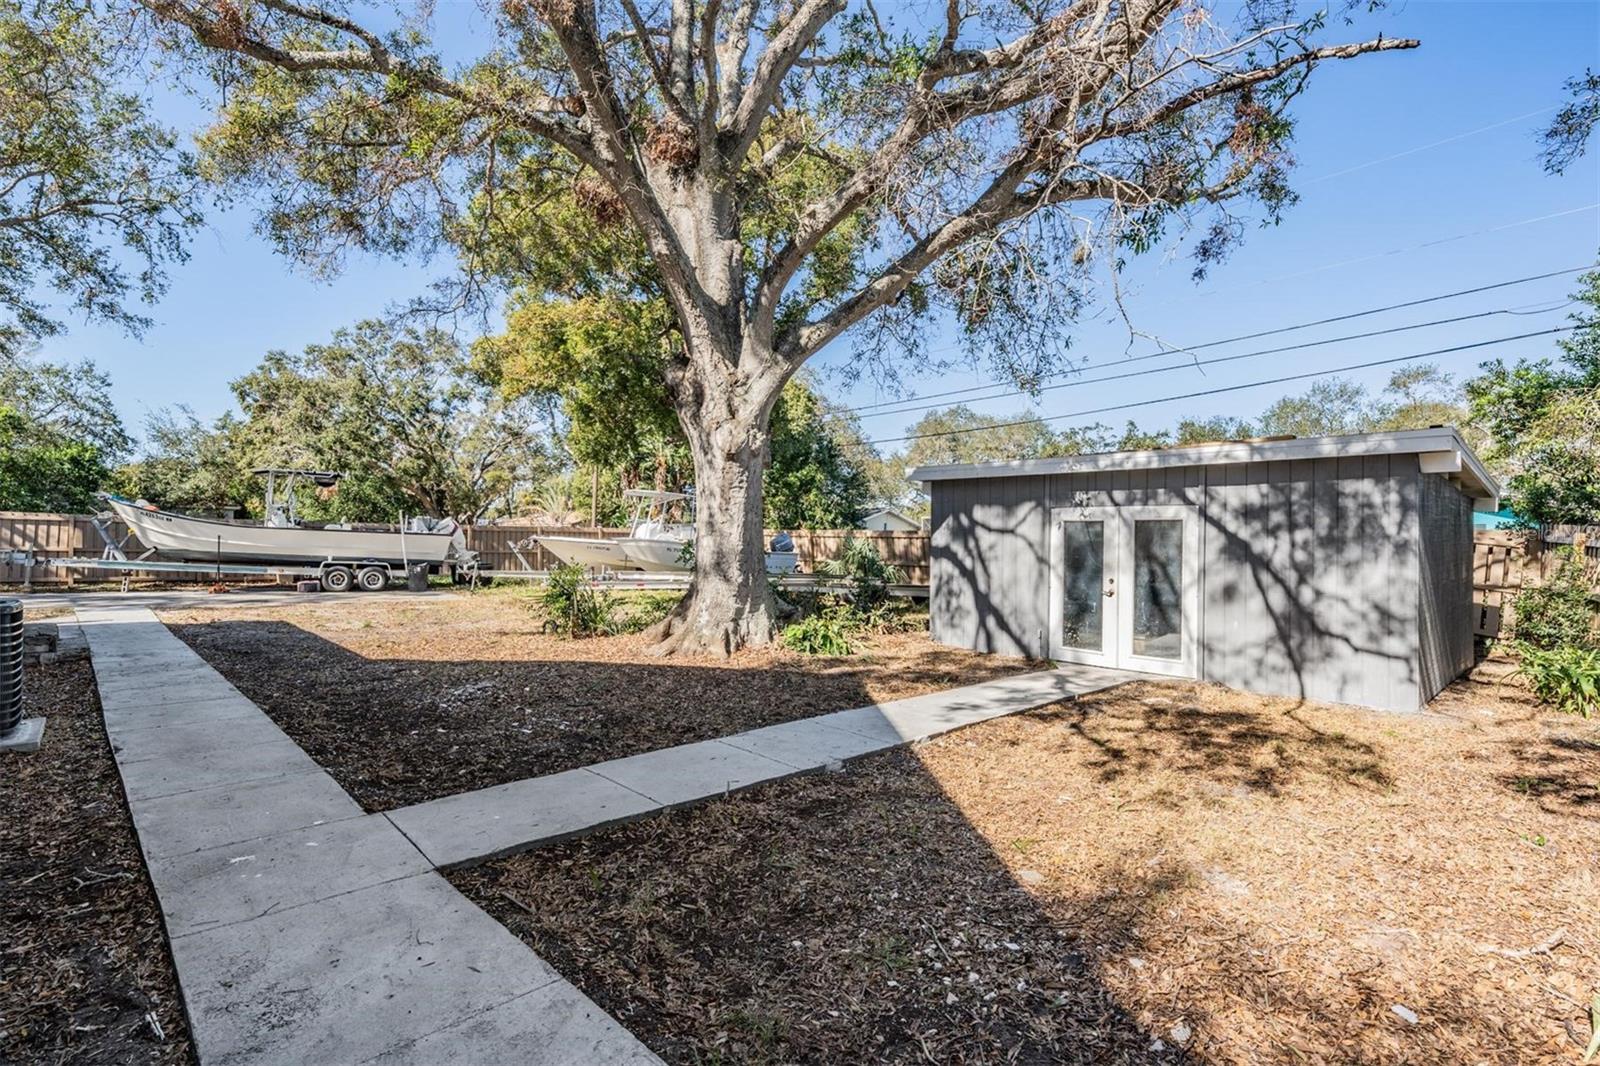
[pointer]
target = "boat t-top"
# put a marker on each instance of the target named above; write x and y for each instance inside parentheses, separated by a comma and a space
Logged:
(653, 544)
(284, 538)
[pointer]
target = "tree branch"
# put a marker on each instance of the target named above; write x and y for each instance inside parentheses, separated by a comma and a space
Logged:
(774, 65)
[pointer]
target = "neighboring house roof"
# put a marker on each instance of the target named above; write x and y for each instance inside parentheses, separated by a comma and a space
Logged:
(1440, 449)
(892, 513)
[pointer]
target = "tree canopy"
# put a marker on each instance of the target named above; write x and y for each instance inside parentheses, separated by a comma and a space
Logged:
(1540, 420)
(783, 172)
(59, 433)
(88, 180)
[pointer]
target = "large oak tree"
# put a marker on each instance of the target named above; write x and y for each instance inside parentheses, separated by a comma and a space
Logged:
(975, 157)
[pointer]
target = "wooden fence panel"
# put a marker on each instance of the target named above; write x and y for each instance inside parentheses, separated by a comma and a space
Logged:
(494, 544)
(908, 551)
(49, 535)
(70, 535)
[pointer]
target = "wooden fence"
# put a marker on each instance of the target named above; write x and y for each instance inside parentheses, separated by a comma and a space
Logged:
(908, 551)
(1502, 562)
(51, 535)
(1505, 561)
(47, 535)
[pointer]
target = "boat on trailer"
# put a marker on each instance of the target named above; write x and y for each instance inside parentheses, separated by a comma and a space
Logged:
(284, 538)
(655, 544)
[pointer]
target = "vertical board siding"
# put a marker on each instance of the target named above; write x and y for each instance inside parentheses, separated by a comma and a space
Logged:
(1310, 584)
(1445, 610)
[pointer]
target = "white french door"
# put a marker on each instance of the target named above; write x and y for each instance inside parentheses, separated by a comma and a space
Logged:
(1124, 587)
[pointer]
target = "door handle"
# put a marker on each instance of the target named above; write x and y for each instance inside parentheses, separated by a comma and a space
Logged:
(1110, 593)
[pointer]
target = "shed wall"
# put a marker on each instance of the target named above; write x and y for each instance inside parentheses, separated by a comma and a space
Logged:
(1445, 608)
(1310, 584)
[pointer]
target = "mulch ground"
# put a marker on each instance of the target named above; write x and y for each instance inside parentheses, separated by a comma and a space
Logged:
(1162, 872)
(413, 700)
(85, 975)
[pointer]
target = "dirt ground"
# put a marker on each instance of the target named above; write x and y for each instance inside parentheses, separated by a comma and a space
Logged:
(85, 975)
(1162, 872)
(412, 700)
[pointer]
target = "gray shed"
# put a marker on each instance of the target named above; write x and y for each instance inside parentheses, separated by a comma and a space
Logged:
(1330, 568)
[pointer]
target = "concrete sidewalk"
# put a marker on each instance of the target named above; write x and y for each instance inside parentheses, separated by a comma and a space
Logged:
(302, 929)
(475, 826)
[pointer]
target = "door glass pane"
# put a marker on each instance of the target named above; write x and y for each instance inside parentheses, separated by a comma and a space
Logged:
(1158, 588)
(1082, 601)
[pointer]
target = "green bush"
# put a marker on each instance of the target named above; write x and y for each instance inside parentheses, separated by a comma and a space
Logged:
(859, 563)
(1556, 613)
(1566, 677)
(830, 632)
(643, 611)
(571, 607)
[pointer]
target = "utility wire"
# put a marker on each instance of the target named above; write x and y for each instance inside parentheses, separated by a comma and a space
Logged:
(1198, 364)
(1253, 336)
(1218, 391)
(1427, 147)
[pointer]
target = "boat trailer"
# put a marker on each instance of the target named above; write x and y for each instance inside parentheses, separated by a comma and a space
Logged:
(332, 574)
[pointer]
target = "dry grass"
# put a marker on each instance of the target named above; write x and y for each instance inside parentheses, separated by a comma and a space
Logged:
(84, 971)
(410, 700)
(1160, 871)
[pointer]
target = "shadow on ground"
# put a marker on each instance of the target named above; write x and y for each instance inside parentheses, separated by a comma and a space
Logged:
(1160, 872)
(850, 917)
(397, 731)
(1229, 737)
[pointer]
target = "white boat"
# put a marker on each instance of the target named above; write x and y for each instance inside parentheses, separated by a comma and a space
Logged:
(283, 537)
(653, 544)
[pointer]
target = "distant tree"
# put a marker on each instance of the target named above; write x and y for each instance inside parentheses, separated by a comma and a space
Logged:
(87, 179)
(1134, 438)
(185, 464)
(72, 401)
(1540, 421)
(1215, 428)
(44, 471)
(790, 169)
(1420, 396)
(1336, 405)
(815, 478)
(961, 435)
(393, 407)
(58, 434)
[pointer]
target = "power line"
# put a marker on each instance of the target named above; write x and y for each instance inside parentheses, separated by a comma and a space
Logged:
(1247, 336)
(1428, 147)
(1359, 259)
(1218, 391)
(1200, 363)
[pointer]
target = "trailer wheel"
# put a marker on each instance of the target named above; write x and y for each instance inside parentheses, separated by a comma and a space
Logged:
(337, 579)
(373, 578)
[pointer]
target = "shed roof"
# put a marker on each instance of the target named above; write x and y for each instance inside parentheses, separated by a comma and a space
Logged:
(1440, 449)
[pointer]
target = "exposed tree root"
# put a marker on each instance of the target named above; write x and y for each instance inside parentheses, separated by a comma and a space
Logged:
(712, 625)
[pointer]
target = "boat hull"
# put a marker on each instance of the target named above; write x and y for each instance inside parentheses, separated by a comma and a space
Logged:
(655, 556)
(588, 552)
(176, 536)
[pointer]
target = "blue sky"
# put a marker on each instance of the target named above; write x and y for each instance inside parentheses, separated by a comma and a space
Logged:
(1361, 236)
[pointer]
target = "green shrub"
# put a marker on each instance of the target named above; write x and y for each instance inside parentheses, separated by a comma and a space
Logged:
(1556, 613)
(640, 612)
(572, 608)
(830, 632)
(859, 563)
(1566, 677)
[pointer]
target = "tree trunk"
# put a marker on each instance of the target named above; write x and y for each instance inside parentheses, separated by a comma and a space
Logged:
(729, 604)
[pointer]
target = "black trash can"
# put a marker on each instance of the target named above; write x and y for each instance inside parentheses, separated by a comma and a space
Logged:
(417, 578)
(10, 665)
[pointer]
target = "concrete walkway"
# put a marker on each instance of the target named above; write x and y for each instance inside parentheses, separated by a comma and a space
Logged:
(303, 930)
(475, 826)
